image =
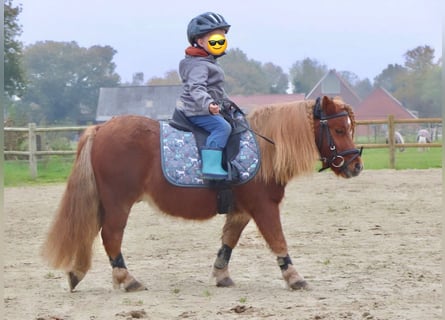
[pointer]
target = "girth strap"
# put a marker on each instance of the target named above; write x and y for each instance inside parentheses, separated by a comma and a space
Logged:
(224, 196)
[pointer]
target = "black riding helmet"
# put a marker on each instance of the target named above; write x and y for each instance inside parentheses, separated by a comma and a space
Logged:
(205, 23)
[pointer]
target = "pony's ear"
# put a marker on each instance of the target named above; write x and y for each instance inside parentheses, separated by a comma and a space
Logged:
(328, 105)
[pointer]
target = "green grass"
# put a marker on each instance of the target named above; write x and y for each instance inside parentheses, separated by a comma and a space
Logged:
(410, 158)
(50, 170)
(57, 169)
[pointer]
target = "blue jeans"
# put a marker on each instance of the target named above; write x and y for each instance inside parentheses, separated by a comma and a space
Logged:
(218, 128)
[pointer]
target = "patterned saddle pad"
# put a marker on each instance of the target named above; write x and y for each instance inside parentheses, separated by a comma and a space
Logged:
(181, 161)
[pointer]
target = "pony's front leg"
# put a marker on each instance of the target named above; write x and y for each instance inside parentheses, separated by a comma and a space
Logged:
(269, 224)
(292, 278)
(234, 226)
(221, 267)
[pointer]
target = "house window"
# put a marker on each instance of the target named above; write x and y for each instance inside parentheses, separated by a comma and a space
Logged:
(148, 103)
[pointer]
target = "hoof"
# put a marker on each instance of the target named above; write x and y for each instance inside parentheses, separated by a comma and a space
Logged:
(135, 286)
(226, 282)
(121, 277)
(299, 285)
(74, 278)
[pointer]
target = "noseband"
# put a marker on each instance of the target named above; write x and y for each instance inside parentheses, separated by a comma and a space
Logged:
(336, 159)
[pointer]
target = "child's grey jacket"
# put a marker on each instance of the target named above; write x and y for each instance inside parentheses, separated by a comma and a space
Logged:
(203, 81)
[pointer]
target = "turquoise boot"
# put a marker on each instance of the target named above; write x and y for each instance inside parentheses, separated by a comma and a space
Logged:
(211, 164)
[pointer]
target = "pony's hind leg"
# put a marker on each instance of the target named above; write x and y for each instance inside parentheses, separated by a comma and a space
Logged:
(121, 276)
(235, 224)
(80, 268)
(112, 234)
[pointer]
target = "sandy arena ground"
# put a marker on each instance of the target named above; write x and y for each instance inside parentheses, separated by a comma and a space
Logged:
(370, 248)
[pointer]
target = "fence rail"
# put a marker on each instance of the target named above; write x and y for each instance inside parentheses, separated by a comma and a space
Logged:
(391, 122)
(32, 152)
(32, 131)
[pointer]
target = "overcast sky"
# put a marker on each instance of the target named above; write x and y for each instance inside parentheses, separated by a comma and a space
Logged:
(362, 37)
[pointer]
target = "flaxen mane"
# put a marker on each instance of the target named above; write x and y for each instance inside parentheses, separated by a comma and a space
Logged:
(290, 126)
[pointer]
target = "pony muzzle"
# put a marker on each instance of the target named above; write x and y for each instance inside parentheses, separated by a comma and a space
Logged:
(358, 166)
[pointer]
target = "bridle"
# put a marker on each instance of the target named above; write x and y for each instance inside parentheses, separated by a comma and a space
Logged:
(336, 159)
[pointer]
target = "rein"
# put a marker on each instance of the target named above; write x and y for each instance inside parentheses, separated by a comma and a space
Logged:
(228, 110)
(325, 131)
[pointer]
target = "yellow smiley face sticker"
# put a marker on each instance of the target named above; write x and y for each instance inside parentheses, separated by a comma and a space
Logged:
(217, 44)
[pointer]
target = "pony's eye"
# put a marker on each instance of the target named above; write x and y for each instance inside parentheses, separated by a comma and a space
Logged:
(339, 131)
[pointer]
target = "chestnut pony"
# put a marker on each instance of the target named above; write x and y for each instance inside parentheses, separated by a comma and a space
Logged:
(118, 163)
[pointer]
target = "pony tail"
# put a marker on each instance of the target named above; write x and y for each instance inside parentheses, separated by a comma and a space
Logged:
(69, 242)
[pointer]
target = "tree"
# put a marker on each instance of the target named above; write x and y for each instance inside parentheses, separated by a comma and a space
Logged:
(431, 93)
(64, 80)
(389, 78)
(420, 59)
(419, 87)
(305, 74)
(278, 81)
(13, 71)
(350, 77)
(363, 88)
(243, 76)
(138, 79)
(247, 76)
(416, 84)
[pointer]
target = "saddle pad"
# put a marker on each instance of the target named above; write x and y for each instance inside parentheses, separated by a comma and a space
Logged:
(181, 162)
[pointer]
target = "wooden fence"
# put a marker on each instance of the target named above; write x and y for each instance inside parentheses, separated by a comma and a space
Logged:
(33, 153)
(391, 145)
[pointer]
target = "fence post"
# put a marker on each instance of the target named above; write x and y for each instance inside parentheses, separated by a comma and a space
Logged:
(391, 141)
(32, 150)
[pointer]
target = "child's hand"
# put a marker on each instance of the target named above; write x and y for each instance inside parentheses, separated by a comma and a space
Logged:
(214, 108)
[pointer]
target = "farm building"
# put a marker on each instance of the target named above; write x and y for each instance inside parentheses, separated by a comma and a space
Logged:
(332, 84)
(248, 103)
(157, 102)
(378, 106)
